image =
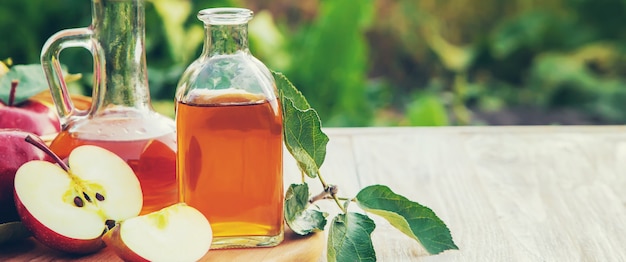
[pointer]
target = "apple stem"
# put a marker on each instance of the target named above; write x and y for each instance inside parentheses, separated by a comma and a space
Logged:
(14, 84)
(41, 145)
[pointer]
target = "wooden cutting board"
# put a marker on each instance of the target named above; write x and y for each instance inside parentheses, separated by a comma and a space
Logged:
(293, 248)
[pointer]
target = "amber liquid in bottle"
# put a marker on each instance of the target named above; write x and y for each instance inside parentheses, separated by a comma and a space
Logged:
(151, 156)
(230, 165)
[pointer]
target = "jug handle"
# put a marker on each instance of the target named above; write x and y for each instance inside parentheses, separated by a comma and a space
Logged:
(78, 37)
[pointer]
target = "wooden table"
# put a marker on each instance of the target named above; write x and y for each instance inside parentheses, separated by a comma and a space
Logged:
(548, 193)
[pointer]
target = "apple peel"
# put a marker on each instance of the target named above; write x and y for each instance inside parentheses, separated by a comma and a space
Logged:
(13, 154)
(30, 115)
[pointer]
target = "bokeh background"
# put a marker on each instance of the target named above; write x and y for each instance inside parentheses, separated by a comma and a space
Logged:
(386, 62)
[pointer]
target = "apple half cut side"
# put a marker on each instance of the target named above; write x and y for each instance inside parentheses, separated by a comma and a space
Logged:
(70, 210)
(175, 233)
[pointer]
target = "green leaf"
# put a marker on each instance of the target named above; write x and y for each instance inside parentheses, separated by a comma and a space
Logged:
(12, 231)
(309, 221)
(31, 82)
(302, 127)
(288, 91)
(414, 220)
(304, 138)
(349, 238)
(301, 220)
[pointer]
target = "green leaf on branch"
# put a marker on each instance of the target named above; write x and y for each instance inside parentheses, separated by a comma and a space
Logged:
(12, 231)
(31, 81)
(302, 127)
(414, 220)
(301, 220)
(349, 238)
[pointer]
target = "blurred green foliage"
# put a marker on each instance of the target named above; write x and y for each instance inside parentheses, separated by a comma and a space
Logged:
(388, 62)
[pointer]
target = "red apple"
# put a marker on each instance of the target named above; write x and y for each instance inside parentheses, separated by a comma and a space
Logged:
(69, 208)
(14, 152)
(30, 115)
(175, 233)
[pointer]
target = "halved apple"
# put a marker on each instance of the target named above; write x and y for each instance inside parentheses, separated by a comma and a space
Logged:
(70, 209)
(175, 233)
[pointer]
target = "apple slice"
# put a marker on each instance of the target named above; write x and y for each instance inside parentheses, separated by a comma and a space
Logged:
(175, 233)
(69, 209)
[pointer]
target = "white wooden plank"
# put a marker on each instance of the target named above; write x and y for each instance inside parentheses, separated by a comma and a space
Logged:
(507, 194)
(431, 170)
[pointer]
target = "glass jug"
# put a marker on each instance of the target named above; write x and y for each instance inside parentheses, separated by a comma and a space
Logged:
(229, 127)
(121, 118)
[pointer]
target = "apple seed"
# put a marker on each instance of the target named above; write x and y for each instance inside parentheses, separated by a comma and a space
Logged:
(99, 197)
(78, 202)
(87, 197)
(109, 223)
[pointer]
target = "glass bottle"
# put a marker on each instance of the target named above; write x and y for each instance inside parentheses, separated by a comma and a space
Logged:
(121, 117)
(229, 132)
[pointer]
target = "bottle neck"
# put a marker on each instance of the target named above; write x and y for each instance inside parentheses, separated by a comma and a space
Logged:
(225, 39)
(119, 27)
